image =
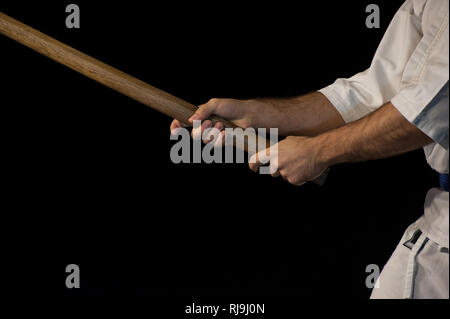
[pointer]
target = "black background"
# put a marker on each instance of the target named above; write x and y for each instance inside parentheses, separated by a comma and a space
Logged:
(89, 178)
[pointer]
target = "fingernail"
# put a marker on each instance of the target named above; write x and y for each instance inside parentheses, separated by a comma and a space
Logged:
(175, 131)
(219, 126)
(197, 133)
(207, 124)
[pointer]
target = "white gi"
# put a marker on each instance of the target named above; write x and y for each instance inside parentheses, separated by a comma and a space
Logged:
(410, 69)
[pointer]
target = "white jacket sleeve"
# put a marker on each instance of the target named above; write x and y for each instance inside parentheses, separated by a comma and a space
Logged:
(410, 69)
(423, 97)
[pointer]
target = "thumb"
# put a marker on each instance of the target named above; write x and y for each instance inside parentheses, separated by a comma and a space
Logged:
(204, 111)
(261, 158)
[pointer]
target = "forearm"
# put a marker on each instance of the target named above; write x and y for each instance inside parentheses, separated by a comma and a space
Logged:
(306, 115)
(383, 133)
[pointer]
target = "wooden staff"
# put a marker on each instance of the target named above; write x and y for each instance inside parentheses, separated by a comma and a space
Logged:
(99, 71)
(107, 75)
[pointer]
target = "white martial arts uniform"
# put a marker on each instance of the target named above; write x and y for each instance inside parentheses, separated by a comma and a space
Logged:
(410, 69)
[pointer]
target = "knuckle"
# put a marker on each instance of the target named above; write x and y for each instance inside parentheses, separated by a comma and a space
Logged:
(213, 101)
(200, 109)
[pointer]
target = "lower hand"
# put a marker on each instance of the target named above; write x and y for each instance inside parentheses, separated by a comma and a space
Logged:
(298, 160)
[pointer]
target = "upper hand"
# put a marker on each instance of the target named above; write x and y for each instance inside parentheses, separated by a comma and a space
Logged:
(229, 109)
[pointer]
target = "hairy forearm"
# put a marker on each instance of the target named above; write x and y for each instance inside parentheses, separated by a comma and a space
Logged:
(306, 115)
(383, 133)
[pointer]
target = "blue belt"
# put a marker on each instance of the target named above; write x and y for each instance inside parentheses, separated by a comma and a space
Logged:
(443, 181)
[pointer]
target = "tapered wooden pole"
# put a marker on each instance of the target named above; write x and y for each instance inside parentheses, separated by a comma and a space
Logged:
(107, 75)
(99, 71)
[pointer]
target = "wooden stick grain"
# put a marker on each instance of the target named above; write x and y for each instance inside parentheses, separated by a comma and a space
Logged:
(107, 75)
(99, 71)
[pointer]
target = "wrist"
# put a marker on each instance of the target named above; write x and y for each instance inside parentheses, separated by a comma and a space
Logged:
(329, 151)
(251, 113)
(261, 114)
